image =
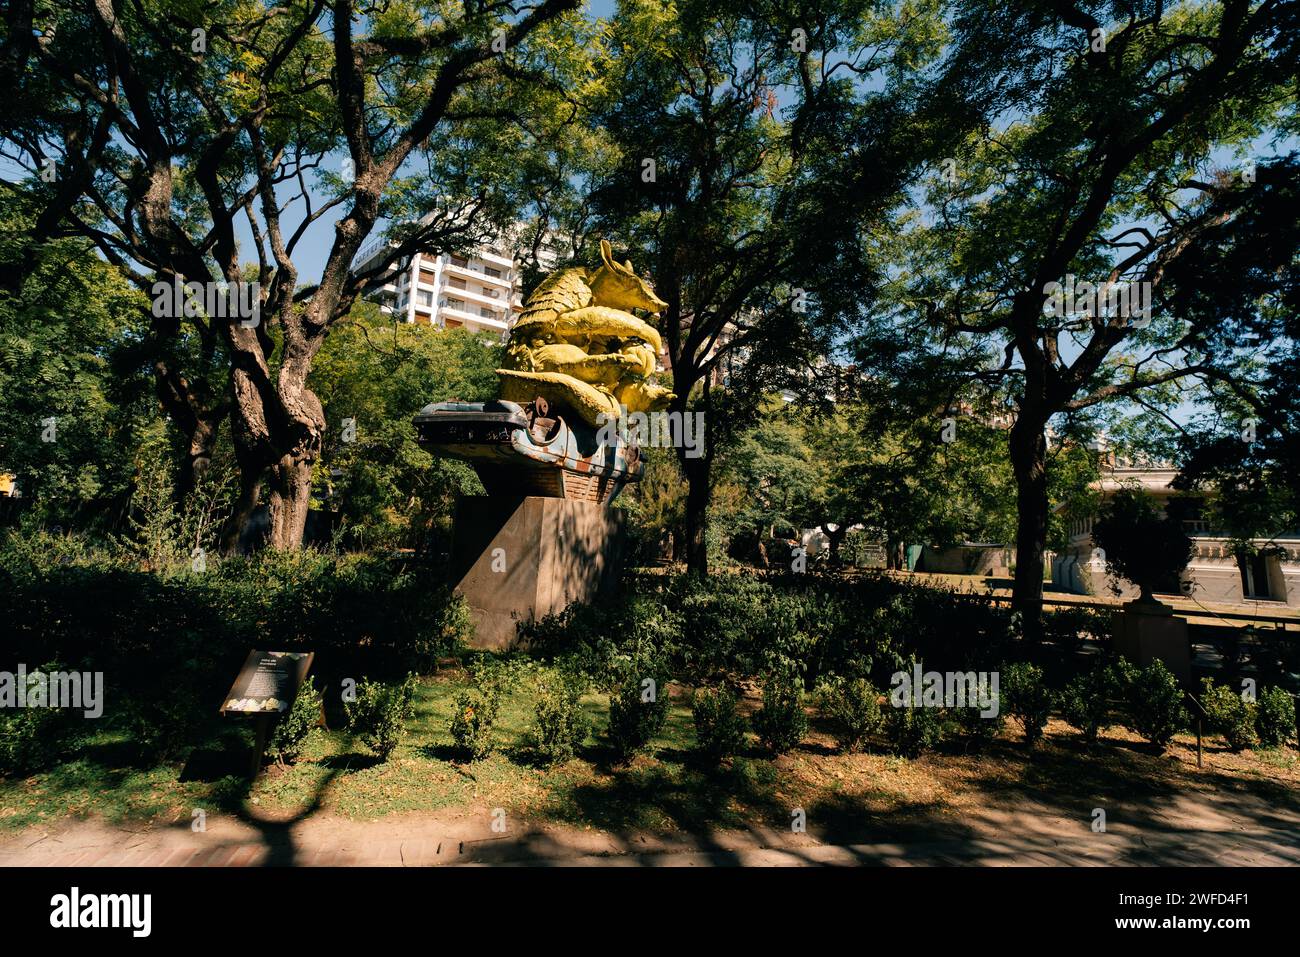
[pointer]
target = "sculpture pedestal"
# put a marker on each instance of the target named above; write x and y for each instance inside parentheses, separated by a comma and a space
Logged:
(519, 559)
(1149, 630)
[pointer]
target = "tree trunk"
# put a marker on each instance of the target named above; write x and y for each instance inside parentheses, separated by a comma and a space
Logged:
(198, 456)
(250, 487)
(197, 418)
(278, 428)
(290, 484)
(697, 516)
(1028, 448)
(835, 538)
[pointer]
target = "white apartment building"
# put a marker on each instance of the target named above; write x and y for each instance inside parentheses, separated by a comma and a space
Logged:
(479, 291)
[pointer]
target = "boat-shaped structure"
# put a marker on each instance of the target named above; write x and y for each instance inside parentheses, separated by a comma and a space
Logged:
(520, 449)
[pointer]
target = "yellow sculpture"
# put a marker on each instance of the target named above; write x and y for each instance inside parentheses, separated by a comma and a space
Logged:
(576, 343)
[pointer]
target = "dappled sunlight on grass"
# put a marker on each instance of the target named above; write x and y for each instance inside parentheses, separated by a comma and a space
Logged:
(667, 789)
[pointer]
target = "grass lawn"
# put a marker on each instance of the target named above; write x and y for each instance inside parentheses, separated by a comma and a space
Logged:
(666, 790)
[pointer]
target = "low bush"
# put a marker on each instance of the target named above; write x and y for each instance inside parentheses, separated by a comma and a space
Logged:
(1153, 701)
(638, 707)
(31, 739)
(1275, 719)
(161, 727)
(982, 725)
(472, 721)
(719, 726)
(379, 713)
(559, 723)
(1229, 715)
(912, 729)
(781, 722)
(292, 730)
(851, 707)
(477, 708)
(1027, 698)
(1085, 702)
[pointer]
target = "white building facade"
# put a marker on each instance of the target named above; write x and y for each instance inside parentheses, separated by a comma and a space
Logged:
(1216, 572)
(479, 291)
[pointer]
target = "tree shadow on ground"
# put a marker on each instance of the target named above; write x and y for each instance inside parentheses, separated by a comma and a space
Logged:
(1159, 814)
(689, 797)
(275, 834)
(350, 761)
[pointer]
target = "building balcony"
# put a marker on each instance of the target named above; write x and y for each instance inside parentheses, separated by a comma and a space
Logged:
(496, 259)
(473, 317)
(497, 302)
(476, 273)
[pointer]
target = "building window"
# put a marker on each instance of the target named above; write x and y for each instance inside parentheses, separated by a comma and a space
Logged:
(1255, 576)
(455, 283)
(458, 261)
(486, 313)
(492, 271)
(455, 304)
(424, 298)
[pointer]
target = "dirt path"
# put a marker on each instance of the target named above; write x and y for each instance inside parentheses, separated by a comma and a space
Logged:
(1192, 831)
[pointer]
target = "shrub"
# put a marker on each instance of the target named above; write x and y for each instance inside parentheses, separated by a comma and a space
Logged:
(443, 634)
(477, 708)
(638, 708)
(1069, 628)
(160, 726)
(1153, 701)
(1275, 720)
(380, 712)
(472, 721)
(30, 739)
(982, 729)
(1085, 702)
(719, 727)
(852, 709)
(781, 722)
(293, 729)
(912, 729)
(1228, 714)
(1027, 697)
(559, 724)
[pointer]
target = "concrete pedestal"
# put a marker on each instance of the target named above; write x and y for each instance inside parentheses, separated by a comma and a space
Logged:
(519, 559)
(1149, 630)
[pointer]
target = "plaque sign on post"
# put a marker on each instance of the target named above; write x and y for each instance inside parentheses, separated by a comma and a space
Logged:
(265, 688)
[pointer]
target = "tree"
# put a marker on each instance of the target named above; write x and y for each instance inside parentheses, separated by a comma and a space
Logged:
(1248, 452)
(208, 121)
(1110, 170)
(74, 405)
(1142, 543)
(775, 469)
(724, 176)
(373, 374)
(656, 505)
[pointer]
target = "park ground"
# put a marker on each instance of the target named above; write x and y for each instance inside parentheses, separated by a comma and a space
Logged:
(338, 805)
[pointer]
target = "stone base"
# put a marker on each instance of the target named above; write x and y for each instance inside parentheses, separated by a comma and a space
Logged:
(1146, 631)
(519, 559)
